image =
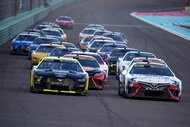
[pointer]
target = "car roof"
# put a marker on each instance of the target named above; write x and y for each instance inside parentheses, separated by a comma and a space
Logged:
(61, 58)
(80, 56)
(89, 29)
(50, 29)
(138, 52)
(50, 45)
(30, 34)
(146, 63)
(103, 41)
(125, 49)
(92, 53)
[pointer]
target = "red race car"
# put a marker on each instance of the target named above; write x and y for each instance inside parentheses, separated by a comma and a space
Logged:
(65, 21)
(91, 66)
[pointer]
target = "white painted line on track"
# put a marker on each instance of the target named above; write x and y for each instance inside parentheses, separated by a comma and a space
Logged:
(168, 9)
(114, 25)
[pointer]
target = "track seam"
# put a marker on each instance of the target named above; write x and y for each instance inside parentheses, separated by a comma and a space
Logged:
(101, 100)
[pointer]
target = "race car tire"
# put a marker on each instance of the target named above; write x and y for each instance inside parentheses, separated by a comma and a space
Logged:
(12, 52)
(32, 90)
(29, 57)
(119, 90)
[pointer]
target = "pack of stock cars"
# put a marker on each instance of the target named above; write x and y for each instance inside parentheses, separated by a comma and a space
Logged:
(58, 66)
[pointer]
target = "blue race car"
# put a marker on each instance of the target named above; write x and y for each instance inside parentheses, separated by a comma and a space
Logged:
(41, 40)
(20, 45)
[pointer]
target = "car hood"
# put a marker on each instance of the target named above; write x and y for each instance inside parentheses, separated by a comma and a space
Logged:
(93, 71)
(40, 55)
(154, 79)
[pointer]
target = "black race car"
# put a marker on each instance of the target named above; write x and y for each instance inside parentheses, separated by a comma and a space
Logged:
(114, 56)
(59, 74)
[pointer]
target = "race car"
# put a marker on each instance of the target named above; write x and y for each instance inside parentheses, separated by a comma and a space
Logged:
(116, 37)
(96, 26)
(61, 51)
(95, 38)
(91, 66)
(41, 40)
(62, 33)
(61, 75)
(87, 40)
(42, 51)
(45, 25)
(106, 49)
(65, 21)
(85, 32)
(97, 44)
(53, 33)
(20, 45)
(139, 60)
(100, 32)
(114, 56)
(150, 80)
(99, 59)
(126, 59)
(84, 41)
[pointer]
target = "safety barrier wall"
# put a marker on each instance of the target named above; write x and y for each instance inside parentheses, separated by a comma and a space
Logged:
(12, 26)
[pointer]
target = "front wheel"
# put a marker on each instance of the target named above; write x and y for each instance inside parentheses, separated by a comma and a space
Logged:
(120, 91)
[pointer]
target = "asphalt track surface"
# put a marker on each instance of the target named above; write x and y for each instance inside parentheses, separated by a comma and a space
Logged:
(100, 108)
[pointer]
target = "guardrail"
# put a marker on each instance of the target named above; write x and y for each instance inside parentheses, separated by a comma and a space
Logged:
(12, 26)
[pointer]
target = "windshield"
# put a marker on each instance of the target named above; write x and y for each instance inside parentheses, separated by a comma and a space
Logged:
(97, 44)
(147, 60)
(88, 31)
(151, 70)
(40, 27)
(26, 38)
(130, 56)
(46, 49)
(64, 18)
(69, 45)
(114, 37)
(99, 33)
(88, 63)
(60, 52)
(64, 65)
(87, 39)
(97, 57)
(45, 41)
(52, 33)
(118, 53)
(107, 48)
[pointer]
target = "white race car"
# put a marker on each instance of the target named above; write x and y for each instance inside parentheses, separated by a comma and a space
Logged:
(85, 32)
(123, 62)
(150, 80)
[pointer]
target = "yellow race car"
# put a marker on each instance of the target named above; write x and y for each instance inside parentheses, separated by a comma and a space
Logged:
(42, 51)
(59, 74)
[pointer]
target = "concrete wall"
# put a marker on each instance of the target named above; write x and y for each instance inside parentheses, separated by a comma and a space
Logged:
(12, 26)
